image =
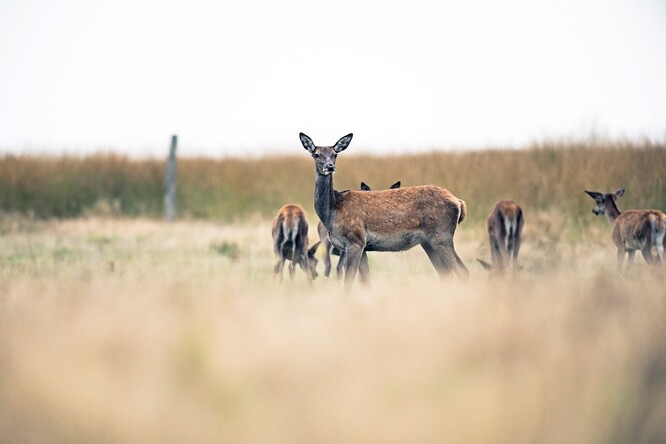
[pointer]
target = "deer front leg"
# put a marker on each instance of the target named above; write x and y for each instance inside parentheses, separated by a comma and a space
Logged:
(353, 260)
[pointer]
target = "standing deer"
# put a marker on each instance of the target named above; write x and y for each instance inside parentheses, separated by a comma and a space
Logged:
(387, 220)
(632, 229)
(329, 249)
(290, 241)
(505, 226)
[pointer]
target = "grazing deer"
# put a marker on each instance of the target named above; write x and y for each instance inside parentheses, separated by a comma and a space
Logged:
(505, 226)
(290, 241)
(329, 249)
(632, 229)
(387, 220)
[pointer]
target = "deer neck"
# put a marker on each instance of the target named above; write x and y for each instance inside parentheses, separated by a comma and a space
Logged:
(611, 211)
(324, 199)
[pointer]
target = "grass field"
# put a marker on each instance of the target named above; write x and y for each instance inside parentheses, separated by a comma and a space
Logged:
(132, 330)
(547, 176)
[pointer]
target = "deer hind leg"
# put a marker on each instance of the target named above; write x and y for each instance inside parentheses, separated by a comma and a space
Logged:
(496, 256)
(278, 267)
(647, 255)
(620, 259)
(514, 246)
(661, 241)
(292, 263)
(327, 261)
(630, 259)
(364, 269)
(445, 259)
(341, 265)
(353, 261)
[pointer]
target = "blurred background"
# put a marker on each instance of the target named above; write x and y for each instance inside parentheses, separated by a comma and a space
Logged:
(243, 78)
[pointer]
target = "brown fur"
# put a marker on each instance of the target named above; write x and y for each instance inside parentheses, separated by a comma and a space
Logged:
(505, 226)
(632, 229)
(329, 249)
(290, 242)
(388, 220)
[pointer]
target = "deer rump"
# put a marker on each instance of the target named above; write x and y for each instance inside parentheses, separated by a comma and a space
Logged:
(640, 230)
(289, 233)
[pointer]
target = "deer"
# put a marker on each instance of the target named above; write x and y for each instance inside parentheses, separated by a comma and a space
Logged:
(632, 229)
(505, 226)
(386, 220)
(290, 241)
(329, 249)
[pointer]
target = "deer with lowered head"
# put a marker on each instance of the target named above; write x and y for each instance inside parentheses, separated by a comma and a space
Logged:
(329, 249)
(386, 220)
(632, 229)
(290, 242)
(505, 227)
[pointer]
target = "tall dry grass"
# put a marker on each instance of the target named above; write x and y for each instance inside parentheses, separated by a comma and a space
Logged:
(117, 330)
(545, 178)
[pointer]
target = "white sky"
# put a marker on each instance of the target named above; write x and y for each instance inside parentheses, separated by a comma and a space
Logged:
(245, 77)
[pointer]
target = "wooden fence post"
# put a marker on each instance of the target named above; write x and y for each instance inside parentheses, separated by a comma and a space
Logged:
(170, 195)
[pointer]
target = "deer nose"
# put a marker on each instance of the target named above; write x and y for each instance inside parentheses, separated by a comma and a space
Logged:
(329, 167)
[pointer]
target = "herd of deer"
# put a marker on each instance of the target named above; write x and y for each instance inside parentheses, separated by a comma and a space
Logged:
(351, 223)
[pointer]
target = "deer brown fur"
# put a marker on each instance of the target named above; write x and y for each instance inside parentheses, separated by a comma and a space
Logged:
(632, 229)
(505, 226)
(290, 242)
(329, 249)
(387, 220)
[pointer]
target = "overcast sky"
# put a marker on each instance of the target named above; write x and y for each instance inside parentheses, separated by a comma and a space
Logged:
(241, 77)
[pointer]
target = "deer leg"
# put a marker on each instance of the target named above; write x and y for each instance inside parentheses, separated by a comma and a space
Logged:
(278, 267)
(496, 258)
(630, 260)
(292, 263)
(647, 255)
(620, 259)
(364, 269)
(327, 261)
(660, 251)
(435, 259)
(353, 261)
(461, 270)
(514, 251)
(341, 264)
(445, 259)
(503, 250)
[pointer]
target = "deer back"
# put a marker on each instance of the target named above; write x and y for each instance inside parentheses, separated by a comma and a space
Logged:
(404, 209)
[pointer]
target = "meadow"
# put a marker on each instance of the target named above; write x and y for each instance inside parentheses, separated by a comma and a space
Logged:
(118, 327)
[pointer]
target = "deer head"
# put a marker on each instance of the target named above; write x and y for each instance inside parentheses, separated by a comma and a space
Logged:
(604, 201)
(325, 156)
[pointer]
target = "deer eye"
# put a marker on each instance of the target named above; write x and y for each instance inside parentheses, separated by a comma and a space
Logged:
(335, 156)
(315, 155)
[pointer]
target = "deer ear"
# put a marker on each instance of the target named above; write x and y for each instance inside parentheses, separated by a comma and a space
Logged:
(308, 144)
(364, 187)
(313, 249)
(395, 185)
(619, 193)
(593, 194)
(343, 143)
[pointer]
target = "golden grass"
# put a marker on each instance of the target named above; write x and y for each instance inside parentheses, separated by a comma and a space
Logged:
(118, 330)
(545, 177)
